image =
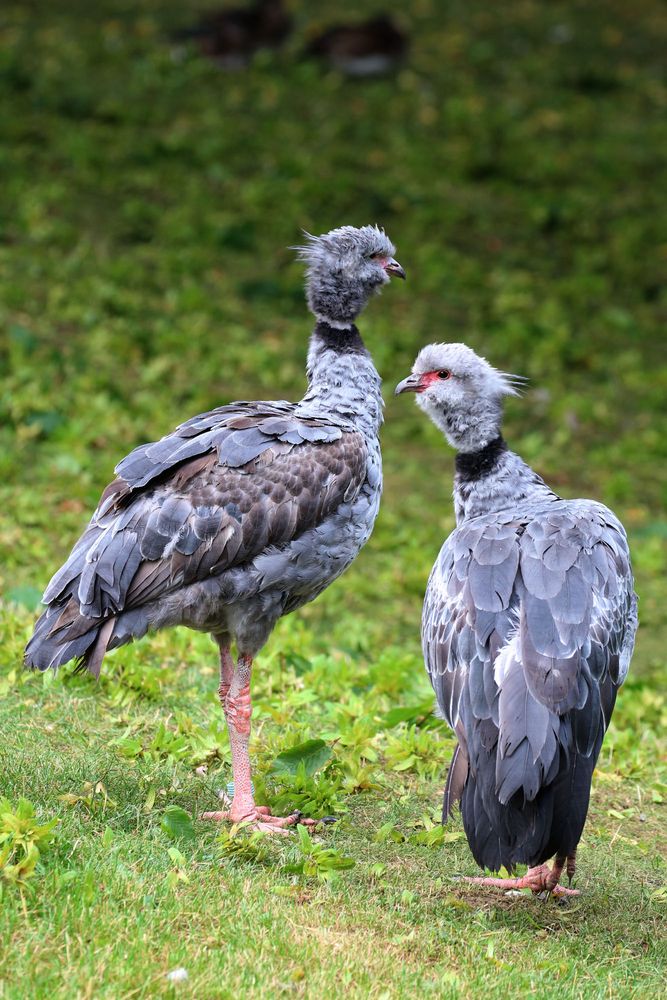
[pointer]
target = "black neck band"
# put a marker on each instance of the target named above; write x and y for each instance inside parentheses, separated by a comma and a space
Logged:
(471, 465)
(347, 341)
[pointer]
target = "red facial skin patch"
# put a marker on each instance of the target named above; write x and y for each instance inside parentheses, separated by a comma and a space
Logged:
(427, 379)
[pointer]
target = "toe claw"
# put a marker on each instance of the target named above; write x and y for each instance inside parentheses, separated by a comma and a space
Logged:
(260, 818)
(538, 880)
(560, 891)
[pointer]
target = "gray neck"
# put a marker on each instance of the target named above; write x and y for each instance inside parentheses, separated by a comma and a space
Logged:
(468, 428)
(493, 479)
(342, 378)
(334, 301)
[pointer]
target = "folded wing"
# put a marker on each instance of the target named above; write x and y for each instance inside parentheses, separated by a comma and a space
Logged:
(528, 630)
(219, 490)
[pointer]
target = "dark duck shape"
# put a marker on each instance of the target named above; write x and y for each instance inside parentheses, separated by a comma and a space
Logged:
(372, 48)
(231, 36)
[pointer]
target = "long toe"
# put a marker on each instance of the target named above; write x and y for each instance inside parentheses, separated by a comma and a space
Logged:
(261, 819)
(561, 890)
(538, 880)
(265, 816)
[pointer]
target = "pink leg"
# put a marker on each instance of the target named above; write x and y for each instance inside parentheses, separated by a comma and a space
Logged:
(540, 879)
(226, 673)
(234, 694)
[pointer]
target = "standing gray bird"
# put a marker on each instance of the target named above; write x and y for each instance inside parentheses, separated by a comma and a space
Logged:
(240, 515)
(528, 629)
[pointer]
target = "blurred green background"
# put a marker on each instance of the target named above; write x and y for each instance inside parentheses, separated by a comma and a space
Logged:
(148, 200)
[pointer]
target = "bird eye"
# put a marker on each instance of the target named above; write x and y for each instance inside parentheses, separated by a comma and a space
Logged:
(376, 256)
(444, 373)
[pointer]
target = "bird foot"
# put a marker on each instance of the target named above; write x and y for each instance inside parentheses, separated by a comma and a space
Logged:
(539, 880)
(260, 818)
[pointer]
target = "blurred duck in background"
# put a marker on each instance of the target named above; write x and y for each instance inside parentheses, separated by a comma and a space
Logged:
(373, 48)
(232, 35)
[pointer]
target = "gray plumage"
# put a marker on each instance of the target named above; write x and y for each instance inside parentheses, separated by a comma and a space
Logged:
(244, 513)
(528, 626)
(343, 273)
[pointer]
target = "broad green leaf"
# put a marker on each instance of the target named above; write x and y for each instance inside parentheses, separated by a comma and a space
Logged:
(149, 801)
(312, 754)
(405, 765)
(388, 832)
(177, 823)
(413, 714)
(129, 747)
(304, 838)
(336, 862)
(294, 869)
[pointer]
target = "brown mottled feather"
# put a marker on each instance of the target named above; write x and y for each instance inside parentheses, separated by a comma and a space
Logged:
(269, 501)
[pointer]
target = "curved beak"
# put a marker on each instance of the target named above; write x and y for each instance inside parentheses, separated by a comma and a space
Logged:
(410, 384)
(394, 268)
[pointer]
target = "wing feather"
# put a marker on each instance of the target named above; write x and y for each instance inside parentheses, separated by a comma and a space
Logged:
(527, 632)
(212, 495)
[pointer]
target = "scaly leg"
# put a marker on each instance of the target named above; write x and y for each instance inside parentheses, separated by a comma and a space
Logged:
(540, 879)
(234, 692)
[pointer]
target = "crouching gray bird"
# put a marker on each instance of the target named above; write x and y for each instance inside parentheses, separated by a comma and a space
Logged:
(241, 514)
(528, 629)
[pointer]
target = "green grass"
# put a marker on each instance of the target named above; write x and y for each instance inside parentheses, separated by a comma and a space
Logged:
(146, 203)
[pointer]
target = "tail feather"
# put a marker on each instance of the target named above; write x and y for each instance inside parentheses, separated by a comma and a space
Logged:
(523, 831)
(456, 779)
(92, 660)
(79, 622)
(59, 637)
(504, 835)
(50, 645)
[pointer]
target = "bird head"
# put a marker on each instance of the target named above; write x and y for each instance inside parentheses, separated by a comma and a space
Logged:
(461, 393)
(344, 268)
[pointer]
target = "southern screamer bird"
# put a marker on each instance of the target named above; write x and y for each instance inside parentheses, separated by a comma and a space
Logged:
(240, 515)
(528, 629)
